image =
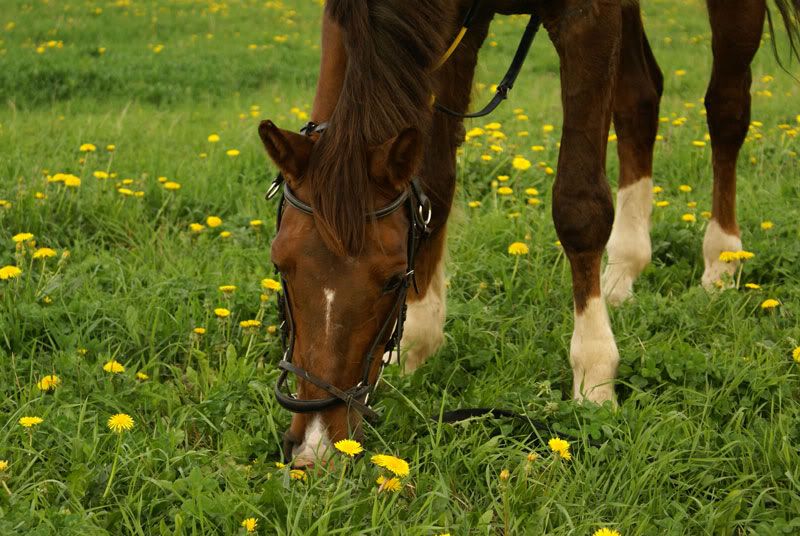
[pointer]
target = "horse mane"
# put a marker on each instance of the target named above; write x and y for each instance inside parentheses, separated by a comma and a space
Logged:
(391, 46)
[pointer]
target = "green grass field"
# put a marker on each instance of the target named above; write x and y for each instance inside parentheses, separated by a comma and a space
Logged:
(705, 440)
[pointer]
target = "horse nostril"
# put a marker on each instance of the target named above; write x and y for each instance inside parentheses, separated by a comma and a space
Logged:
(289, 443)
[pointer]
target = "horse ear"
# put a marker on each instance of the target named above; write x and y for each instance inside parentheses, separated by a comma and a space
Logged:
(397, 159)
(290, 151)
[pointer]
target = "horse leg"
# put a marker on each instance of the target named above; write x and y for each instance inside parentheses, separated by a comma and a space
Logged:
(636, 102)
(736, 29)
(587, 37)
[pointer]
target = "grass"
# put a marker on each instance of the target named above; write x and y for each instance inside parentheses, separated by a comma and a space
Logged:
(706, 438)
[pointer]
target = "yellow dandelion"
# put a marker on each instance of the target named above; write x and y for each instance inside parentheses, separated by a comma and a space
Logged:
(796, 354)
(770, 303)
(256, 223)
(48, 383)
(44, 253)
(213, 221)
(388, 484)
(606, 532)
(548, 128)
(232, 152)
(531, 191)
(3, 465)
(534, 201)
(767, 225)
(349, 447)
(521, 163)
(662, 204)
(297, 474)
(494, 125)
(474, 204)
(518, 248)
(250, 524)
(560, 446)
(213, 138)
(22, 237)
(88, 148)
(270, 284)
(473, 132)
(141, 376)
(729, 256)
(114, 367)
(505, 474)
(110, 147)
(685, 188)
(752, 286)
(706, 214)
(398, 466)
(100, 175)
(9, 272)
(227, 289)
(744, 255)
(690, 218)
(172, 185)
(657, 189)
(225, 234)
(199, 331)
(486, 157)
(505, 190)
(532, 457)
(503, 178)
(221, 312)
(29, 422)
(196, 227)
(699, 143)
(247, 324)
(121, 422)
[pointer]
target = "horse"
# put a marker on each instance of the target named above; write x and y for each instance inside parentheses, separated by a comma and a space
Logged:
(369, 185)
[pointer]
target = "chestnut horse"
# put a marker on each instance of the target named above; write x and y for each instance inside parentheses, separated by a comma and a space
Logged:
(341, 269)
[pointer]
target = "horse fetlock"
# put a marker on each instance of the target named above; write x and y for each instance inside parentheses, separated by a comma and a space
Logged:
(593, 354)
(718, 273)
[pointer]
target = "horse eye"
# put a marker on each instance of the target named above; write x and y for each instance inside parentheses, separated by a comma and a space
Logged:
(393, 283)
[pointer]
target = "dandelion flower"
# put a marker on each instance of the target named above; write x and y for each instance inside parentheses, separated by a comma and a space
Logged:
(172, 185)
(196, 227)
(9, 272)
(29, 422)
(699, 143)
(388, 484)
(770, 303)
(520, 163)
(752, 286)
(532, 457)
(232, 152)
(494, 125)
(214, 221)
(227, 288)
(71, 181)
(728, 256)
(606, 532)
(221, 312)
(141, 376)
(114, 367)
(505, 475)
(518, 248)
(250, 523)
(297, 474)
(225, 234)
(256, 223)
(531, 191)
(560, 446)
(88, 148)
(44, 253)
(657, 189)
(121, 422)
(767, 225)
(689, 218)
(3, 465)
(100, 175)
(474, 204)
(662, 204)
(349, 447)
(199, 331)
(48, 383)
(398, 466)
(505, 190)
(685, 188)
(270, 284)
(247, 324)
(213, 138)
(22, 237)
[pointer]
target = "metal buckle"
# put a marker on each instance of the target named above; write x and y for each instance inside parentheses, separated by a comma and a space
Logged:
(425, 211)
(274, 187)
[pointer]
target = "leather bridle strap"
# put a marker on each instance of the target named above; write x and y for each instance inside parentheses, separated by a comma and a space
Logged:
(510, 77)
(351, 397)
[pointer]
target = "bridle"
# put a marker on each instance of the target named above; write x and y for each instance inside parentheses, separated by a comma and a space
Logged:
(357, 397)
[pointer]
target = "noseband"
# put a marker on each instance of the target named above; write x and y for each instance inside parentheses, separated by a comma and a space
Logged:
(358, 396)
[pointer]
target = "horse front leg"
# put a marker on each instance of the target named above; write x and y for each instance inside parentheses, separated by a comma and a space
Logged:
(587, 37)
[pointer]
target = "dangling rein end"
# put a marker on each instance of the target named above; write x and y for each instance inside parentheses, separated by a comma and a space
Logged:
(452, 48)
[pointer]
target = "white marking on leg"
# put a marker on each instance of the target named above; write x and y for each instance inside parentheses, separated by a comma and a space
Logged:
(715, 242)
(423, 333)
(316, 444)
(629, 248)
(593, 354)
(329, 296)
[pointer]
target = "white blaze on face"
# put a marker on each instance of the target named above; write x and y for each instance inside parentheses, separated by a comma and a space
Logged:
(715, 242)
(330, 294)
(593, 354)
(316, 444)
(629, 248)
